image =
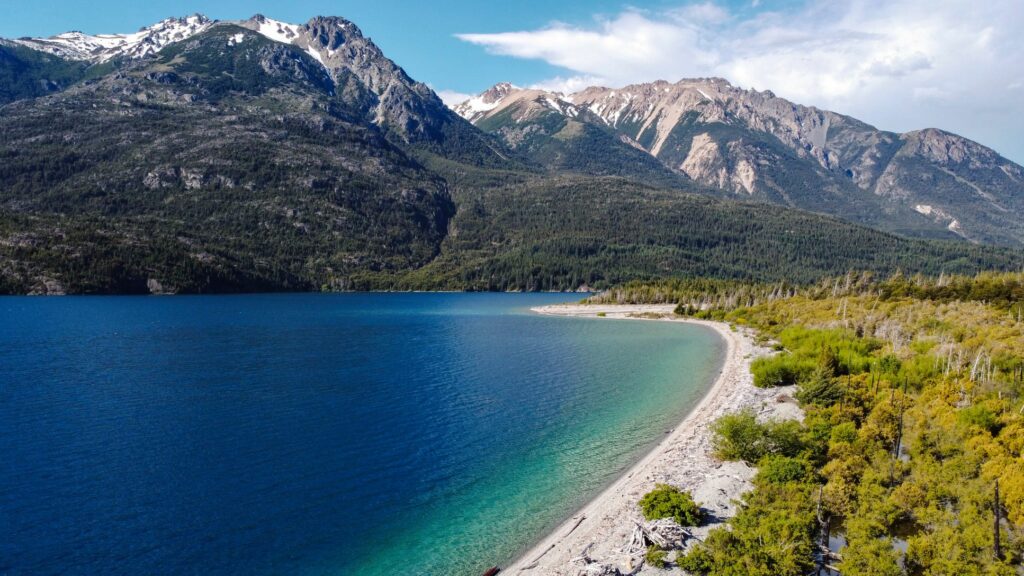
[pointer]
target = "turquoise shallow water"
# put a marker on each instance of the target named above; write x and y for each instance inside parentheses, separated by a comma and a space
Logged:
(319, 434)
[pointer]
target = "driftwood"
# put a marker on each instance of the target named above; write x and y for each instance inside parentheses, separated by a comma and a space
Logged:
(575, 526)
(536, 560)
(664, 533)
(584, 556)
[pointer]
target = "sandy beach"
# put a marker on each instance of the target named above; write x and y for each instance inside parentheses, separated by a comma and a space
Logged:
(602, 528)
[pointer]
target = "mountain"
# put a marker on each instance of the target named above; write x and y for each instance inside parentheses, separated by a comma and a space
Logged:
(371, 84)
(755, 145)
(205, 165)
(104, 47)
(258, 155)
(561, 137)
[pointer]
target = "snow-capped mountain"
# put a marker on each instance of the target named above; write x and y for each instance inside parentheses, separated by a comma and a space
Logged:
(756, 144)
(744, 142)
(478, 106)
(381, 90)
(104, 47)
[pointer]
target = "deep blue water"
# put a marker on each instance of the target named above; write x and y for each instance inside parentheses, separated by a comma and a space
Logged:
(318, 434)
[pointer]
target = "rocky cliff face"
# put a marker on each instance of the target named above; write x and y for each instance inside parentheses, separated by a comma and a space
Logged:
(369, 81)
(755, 144)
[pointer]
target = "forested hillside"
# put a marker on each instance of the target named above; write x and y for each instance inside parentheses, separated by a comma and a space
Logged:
(563, 233)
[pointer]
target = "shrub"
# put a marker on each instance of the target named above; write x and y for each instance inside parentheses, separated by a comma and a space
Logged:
(740, 436)
(828, 362)
(870, 557)
(699, 560)
(889, 364)
(773, 534)
(780, 370)
(979, 416)
(784, 438)
(655, 556)
(845, 433)
(670, 502)
(820, 388)
(686, 310)
(782, 469)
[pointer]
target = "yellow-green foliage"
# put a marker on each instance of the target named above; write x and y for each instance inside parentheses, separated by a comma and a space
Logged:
(670, 502)
(741, 437)
(772, 534)
(912, 391)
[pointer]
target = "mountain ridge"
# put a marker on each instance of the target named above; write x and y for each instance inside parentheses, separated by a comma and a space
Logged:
(231, 161)
(729, 138)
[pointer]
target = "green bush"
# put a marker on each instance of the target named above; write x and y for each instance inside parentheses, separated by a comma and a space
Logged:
(781, 370)
(772, 534)
(785, 438)
(845, 433)
(700, 559)
(870, 557)
(782, 469)
(979, 416)
(740, 436)
(686, 310)
(820, 388)
(655, 556)
(670, 502)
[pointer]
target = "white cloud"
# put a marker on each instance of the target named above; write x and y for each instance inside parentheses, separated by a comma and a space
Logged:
(630, 46)
(899, 64)
(704, 13)
(451, 97)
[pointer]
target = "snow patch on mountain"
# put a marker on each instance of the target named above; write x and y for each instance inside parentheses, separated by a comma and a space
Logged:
(278, 31)
(479, 105)
(104, 47)
(474, 106)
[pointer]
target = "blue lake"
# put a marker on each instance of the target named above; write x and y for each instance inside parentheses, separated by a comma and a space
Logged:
(372, 434)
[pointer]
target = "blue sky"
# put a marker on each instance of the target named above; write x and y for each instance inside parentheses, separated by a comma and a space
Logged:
(897, 64)
(418, 34)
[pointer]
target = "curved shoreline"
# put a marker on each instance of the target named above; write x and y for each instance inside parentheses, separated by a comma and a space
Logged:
(683, 458)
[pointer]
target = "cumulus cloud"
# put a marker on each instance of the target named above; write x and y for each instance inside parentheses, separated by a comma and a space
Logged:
(899, 64)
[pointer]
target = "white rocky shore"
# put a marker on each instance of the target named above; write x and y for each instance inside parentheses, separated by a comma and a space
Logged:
(594, 540)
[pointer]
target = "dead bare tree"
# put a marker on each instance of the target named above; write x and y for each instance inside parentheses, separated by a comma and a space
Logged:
(997, 509)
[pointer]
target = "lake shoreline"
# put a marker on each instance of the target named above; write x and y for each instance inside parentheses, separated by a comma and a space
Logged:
(602, 527)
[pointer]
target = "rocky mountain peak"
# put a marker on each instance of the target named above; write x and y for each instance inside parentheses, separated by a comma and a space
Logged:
(487, 101)
(331, 32)
(497, 92)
